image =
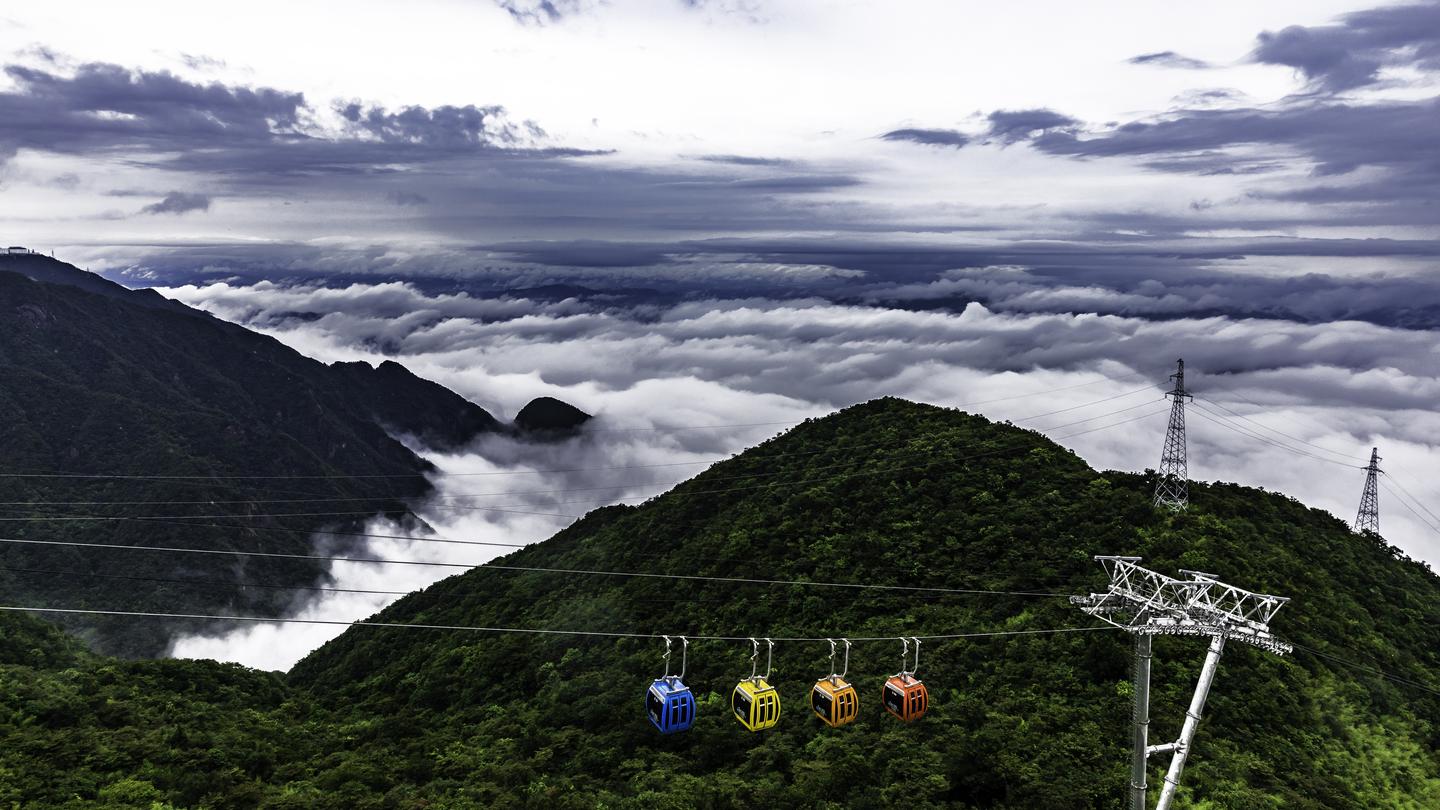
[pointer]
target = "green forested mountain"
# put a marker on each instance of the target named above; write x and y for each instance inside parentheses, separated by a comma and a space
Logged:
(97, 379)
(888, 492)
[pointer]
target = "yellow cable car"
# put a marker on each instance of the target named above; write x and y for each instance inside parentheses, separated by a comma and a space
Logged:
(904, 695)
(833, 699)
(755, 702)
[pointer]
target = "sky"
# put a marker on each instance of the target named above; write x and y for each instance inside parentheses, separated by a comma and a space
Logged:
(680, 214)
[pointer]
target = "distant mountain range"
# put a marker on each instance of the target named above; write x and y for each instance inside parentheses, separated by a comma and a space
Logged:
(117, 395)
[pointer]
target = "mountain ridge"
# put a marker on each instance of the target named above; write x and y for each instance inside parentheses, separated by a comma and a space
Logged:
(885, 493)
(106, 386)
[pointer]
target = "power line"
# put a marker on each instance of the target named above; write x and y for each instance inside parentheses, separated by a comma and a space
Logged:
(1337, 453)
(211, 478)
(614, 486)
(504, 508)
(1396, 678)
(1403, 502)
(260, 515)
(1225, 422)
(441, 540)
(233, 584)
(490, 566)
(748, 476)
(1220, 420)
(1391, 478)
(205, 582)
(540, 631)
(510, 509)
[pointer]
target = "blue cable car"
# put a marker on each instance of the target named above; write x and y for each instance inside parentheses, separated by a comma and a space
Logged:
(668, 701)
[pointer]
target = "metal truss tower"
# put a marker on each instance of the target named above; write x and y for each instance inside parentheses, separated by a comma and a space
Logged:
(1368, 518)
(1148, 604)
(1172, 487)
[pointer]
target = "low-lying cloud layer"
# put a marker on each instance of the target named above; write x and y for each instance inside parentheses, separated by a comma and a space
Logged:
(1288, 406)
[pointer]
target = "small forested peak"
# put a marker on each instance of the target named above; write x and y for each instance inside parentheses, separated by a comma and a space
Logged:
(550, 415)
(406, 403)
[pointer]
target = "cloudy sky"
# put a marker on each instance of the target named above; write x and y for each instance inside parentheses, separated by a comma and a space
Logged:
(689, 213)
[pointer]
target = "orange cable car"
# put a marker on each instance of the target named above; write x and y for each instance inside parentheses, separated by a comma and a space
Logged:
(904, 695)
(833, 699)
(755, 702)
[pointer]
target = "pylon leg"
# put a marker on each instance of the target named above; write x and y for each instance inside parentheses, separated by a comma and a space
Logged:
(1142, 720)
(1192, 720)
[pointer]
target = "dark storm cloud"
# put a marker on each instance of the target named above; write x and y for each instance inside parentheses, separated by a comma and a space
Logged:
(1395, 139)
(1169, 59)
(1211, 163)
(445, 127)
(1009, 126)
(1351, 53)
(585, 253)
(746, 160)
(266, 144)
(1312, 298)
(169, 122)
(179, 202)
(1150, 278)
(1398, 138)
(928, 137)
(104, 107)
(1338, 137)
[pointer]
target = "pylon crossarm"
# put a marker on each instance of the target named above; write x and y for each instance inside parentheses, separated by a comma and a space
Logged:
(1133, 581)
(1228, 602)
(1147, 604)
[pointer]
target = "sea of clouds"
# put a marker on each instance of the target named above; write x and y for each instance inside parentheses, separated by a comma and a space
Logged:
(1287, 406)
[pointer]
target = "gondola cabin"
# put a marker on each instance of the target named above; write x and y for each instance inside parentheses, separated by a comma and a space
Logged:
(756, 704)
(670, 705)
(835, 701)
(906, 697)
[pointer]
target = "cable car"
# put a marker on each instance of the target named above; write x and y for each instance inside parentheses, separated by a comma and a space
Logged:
(668, 701)
(755, 702)
(833, 699)
(904, 695)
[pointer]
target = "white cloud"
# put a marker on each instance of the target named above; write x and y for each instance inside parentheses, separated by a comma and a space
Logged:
(1342, 386)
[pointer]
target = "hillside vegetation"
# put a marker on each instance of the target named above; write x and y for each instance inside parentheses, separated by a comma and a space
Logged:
(97, 379)
(888, 492)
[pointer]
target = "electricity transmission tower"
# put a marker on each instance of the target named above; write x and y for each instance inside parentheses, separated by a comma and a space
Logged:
(1368, 518)
(1148, 604)
(1172, 487)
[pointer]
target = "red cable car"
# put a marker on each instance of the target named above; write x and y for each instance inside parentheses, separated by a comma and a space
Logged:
(905, 696)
